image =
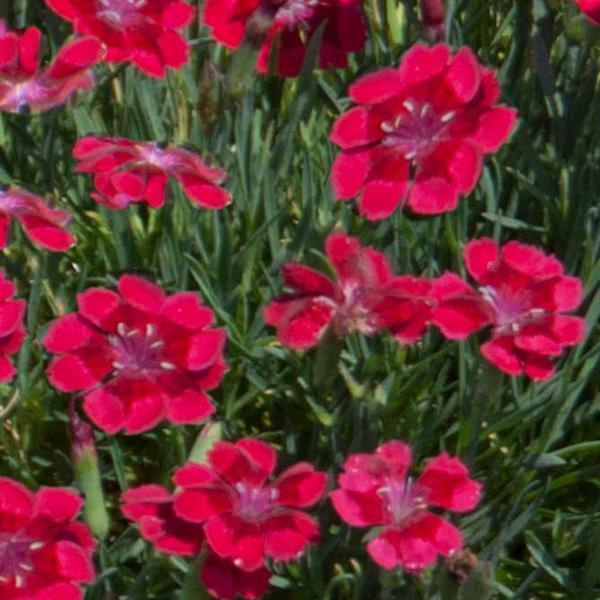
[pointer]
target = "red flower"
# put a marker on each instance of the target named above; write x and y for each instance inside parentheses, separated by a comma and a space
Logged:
(244, 516)
(591, 9)
(44, 553)
(285, 26)
(144, 32)
(128, 171)
(44, 225)
(139, 356)
(12, 331)
(366, 297)
(24, 86)
(419, 133)
(374, 491)
(523, 293)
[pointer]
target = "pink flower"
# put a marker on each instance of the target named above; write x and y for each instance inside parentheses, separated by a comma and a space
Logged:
(45, 554)
(284, 28)
(522, 295)
(151, 507)
(591, 9)
(145, 32)
(375, 491)
(366, 297)
(24, 86)
(139, 355)
(127, 171)
(244, 515)
(419, 133)
(12, 330)
(45, 226)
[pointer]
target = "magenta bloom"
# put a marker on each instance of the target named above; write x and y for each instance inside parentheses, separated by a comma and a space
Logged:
(419, 133)
(45, 554)
(139, 355)
(127, 171)
(145, 32)
(44, 225)
(375, 491)
(287, 26)
(151, 507)
(24, 86)
(522, 295)
(244, 515)
(366, 297)
(12, 330)
(591, 9)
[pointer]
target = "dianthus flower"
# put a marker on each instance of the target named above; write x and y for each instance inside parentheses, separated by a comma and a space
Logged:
(138, 355)
(591, 9)
(284, 28)
(419, 134)
(127, 171)
(12, 330)
(522, 295)
(366, 297)
(45, 554)
(375, 491)
(245, 515)
(151, 507)
(22, 84)
(145, 32)
(44, 225)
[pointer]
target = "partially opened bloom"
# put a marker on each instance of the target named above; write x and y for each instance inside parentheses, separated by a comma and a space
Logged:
(419, 133)
(145, 32)
(44, 225)
(246, 516)
(138, 355)
(285, 27)
(366, 297)
(591, 9)
(12, 330)
(45, 554)
(24, 86)
(151, 507)
(374, 490)
(127, 171)
(523, 294)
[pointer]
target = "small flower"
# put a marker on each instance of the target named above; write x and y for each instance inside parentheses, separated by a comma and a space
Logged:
(245, 517)
(12, 330)
(44, 552)
(419, 133)
(375, 491)
(284, 27)
(145, 32)
(522, 295)
(591, 9)
(366, 297)
(127, 171)
(23, 86)
(44, 225)
(138, 355)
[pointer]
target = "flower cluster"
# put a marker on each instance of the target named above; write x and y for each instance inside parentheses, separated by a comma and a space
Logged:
(12, 330)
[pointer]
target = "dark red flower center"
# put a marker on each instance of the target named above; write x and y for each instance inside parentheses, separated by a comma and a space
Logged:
(414, 131)
(403, 500)
(254, 503)
(159, 157)
(510, 310)
(352, 312)
(138, 351)
(120, 13)
(16, 558)
(295, 14)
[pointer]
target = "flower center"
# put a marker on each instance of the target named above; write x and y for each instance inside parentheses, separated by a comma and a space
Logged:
(138, 352)
(403, 500)
(16, 558)
(157, 156)
(414, 132)
(254, 503)
(295, 14)
(352, 313)
(119, 13)
(510, 311)
(11, 204)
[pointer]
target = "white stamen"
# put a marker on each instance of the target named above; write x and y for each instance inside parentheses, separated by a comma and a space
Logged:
(409, 105)
(121, 329)
(36, 545)
(447, 117)
(387, 127)
(150, 330)
(117, 365)
(410, 155)
(26, 567)
(167, 366)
